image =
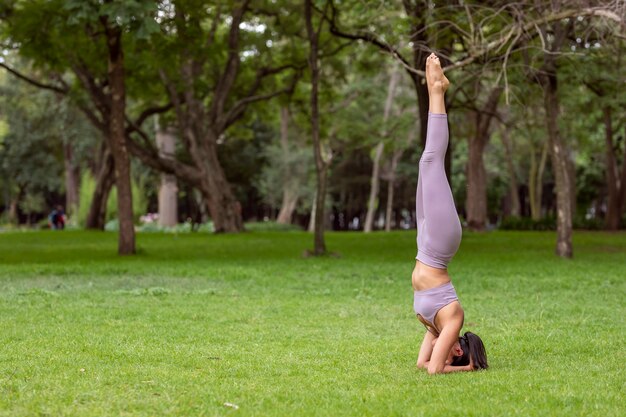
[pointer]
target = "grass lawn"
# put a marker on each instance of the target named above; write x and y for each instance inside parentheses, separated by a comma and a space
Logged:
(198, 321)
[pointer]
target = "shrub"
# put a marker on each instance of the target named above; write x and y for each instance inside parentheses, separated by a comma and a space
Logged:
(527, 223)
(549, 223)
(186, 227)
(271, 227)
(595, 223)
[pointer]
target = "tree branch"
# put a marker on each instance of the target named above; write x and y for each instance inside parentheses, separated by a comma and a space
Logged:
(168, 165)
(229, 74)
(503, 38)
(238, 109)
(61, 90)
(367, 37)
(152, 111)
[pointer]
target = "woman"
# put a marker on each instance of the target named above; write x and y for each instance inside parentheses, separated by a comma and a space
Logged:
(438, 238)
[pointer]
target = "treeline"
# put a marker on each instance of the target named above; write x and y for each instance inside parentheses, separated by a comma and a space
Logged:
(313, 111)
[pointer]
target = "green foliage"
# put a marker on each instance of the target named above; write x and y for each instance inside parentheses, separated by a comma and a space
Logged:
(580, 222)
(186, 227)
(592, 223)
(30, 157)
(271, 227)
(134, 15)
(291, 168)
(33, 203)
(4, 129)
(56, 36)
(527, 223)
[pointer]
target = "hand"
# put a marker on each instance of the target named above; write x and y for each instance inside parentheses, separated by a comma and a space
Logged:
(471, 363)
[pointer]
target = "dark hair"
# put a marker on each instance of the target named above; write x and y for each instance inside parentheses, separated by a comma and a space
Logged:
(471, 344)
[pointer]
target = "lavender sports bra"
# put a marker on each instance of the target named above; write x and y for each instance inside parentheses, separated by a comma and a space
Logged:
(428, 302)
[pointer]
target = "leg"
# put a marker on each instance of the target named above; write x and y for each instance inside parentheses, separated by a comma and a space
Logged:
(439, 231)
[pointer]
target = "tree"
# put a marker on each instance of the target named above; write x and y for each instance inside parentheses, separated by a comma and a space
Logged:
(31, 165)
(212, 70)
(602, 84)
(378, 152)
(476, 200)
(97, 60)
(322, 161)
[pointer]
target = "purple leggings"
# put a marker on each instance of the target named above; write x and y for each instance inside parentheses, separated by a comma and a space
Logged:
(438, 226)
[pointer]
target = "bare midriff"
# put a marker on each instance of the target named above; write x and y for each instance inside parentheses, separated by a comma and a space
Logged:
(425, 277)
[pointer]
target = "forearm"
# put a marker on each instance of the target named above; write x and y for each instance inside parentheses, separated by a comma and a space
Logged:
(449, 368)
(425, 350)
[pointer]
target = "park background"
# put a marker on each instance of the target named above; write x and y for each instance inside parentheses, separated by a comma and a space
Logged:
(256, 163)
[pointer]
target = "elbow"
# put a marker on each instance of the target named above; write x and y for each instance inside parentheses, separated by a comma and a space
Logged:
(433, 370)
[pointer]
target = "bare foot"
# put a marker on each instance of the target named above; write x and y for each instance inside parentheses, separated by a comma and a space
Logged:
(435, 80)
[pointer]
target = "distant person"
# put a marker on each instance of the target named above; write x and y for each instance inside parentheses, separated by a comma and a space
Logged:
(438, 237)
(56, 219)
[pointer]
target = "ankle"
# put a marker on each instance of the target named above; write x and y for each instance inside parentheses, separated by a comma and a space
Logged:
(437, 105)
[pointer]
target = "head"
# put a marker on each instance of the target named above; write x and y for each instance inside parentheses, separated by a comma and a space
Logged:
(469, 344)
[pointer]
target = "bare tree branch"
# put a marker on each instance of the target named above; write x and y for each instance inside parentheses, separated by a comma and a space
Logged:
(514, 32)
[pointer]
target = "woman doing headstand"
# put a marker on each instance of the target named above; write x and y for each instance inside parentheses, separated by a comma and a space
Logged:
(438, 238)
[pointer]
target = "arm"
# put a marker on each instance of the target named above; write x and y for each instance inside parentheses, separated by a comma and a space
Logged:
(449, 368)
(448, 336)
(466, 368)
(426, 349)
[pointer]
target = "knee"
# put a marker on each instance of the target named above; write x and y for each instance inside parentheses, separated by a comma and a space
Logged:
(426, 159)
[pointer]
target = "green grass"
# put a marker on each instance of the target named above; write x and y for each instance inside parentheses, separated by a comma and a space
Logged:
(196, 321)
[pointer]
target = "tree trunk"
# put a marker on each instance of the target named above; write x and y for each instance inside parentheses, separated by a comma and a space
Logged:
(321, 165)
(224, 209)
(378, 153)
(535, 213)
(476, 200)
(13, 206)
(614, 201)
(622, 190)
(117, 140)
(72, 180)
(168, 189)
(290, 197)
(311, 227)
(104, 182)
(287, 207)
(535, 181)
(513, 186)
(372, 204)
(418, 34)
(560, 163)
(390, 187)
(571, 171)
(13, 211)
